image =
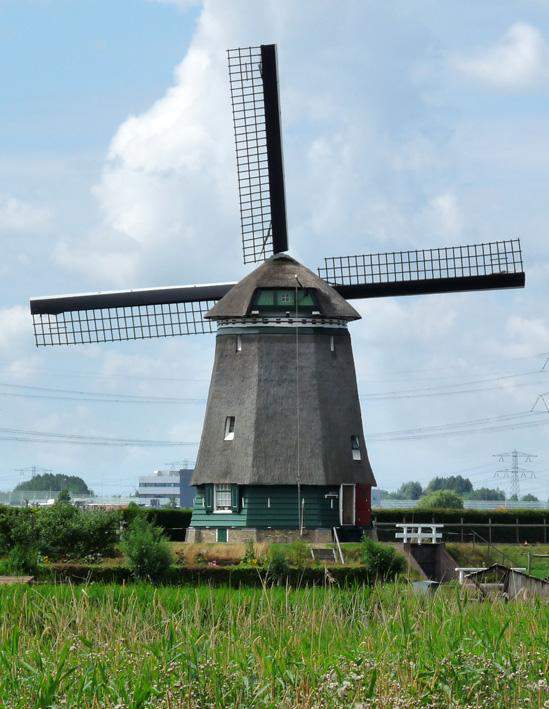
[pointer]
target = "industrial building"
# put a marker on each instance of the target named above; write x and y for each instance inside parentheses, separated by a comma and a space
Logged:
(166, 488)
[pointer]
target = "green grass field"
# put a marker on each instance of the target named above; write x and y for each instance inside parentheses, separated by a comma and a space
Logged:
(137, 646)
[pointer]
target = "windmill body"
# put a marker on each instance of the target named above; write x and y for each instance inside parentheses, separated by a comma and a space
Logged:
(282, 451)
(283, 411)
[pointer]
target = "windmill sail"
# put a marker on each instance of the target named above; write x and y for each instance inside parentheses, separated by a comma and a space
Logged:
(124, 315)
(450, 269)
(256, 119)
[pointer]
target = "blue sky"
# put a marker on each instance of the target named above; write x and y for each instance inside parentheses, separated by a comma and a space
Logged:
(406, 124)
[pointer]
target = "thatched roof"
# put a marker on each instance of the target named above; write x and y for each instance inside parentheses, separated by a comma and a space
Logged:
(280, 271)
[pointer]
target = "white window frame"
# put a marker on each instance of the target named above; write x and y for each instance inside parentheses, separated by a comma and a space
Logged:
(356, 452)
(347, 524)
(229, 435)
(222, 510)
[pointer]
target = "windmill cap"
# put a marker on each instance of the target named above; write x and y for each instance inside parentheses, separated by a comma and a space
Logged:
(281, 271)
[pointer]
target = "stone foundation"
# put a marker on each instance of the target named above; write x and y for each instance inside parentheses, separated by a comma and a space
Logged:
(239, 535)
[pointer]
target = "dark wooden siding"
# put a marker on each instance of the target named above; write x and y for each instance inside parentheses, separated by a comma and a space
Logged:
(276, 507)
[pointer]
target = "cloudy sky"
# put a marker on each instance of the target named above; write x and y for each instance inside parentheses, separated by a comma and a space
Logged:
(406, 124)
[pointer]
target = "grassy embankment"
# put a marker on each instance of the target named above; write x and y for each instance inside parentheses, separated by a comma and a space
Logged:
(517, 554)
(137, 646)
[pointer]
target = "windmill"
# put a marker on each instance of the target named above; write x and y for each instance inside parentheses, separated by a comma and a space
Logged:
(282, 450)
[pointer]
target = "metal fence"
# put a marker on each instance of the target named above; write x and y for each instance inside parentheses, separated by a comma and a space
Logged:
(389, 504)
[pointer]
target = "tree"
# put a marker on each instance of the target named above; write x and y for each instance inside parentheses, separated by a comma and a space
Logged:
(64, 496)
(456, 483)
(441, 499)
(529, 498)
(55, 482)
(410, 491)
(146, 549)
(486, 493)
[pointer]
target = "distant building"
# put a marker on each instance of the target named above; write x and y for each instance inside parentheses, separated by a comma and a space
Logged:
(166, 488)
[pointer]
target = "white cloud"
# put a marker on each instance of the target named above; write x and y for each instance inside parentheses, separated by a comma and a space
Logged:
(181, 4)
(15, 330)
(444, 211)
(527, 336)
(19, 216)
(519, 60)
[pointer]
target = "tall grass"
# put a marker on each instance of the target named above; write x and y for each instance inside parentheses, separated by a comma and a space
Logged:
(138, 646)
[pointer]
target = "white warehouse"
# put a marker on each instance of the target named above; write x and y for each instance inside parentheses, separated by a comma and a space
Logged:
(166, 488)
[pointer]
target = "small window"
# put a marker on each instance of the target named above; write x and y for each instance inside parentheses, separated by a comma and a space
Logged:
(285, 297)
(229, 428)
(238, 343)
(222, 497)
(355, 448)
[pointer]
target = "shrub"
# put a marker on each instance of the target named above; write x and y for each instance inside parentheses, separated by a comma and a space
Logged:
(65, 531)
(382, 561)
(16, 526)
(99, 532)
(441, 500)
(22, 559)
(277, 565)
(146, 549)
(298, 553)
(249, 553)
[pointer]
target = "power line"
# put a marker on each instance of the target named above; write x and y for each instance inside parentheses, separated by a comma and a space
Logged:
(79, 395)
(515, 473)
(15, 434)
(504, 422)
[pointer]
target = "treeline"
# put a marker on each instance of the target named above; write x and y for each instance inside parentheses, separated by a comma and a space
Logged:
(54, 483)
(460, 487)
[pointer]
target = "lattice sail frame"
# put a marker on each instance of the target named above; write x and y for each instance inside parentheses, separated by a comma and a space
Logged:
(256, 120)
(117, 324)
(454, 262)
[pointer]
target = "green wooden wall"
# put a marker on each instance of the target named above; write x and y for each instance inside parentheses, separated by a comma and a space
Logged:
(262, 506)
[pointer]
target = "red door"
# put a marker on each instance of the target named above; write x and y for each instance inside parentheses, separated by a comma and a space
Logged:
(363, 505)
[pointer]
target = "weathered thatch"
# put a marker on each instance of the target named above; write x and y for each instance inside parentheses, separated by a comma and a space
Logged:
(280, 271)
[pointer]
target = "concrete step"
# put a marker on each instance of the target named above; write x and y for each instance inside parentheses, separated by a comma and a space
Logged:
(323, 554)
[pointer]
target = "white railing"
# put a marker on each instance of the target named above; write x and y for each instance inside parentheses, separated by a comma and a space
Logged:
(341, 558)
(419, 533)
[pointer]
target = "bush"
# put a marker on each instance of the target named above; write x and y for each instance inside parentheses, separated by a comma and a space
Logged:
(298, 553)
(65, 531)
(277, 565)
(22, 560)
(249, 555)
(21, 544)
(146, 549)
(99, 533)
(174, 522)
(382, 561)
(235, 576)
(16, 527)
(441, 500)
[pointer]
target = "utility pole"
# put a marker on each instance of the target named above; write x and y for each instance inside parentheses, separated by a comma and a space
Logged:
(514, 473)
(32, 470)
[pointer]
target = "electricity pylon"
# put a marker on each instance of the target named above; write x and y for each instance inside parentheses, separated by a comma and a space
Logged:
(515, 473)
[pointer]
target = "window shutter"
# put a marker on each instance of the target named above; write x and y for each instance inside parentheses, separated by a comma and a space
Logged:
(208, 497)
(235, 498)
